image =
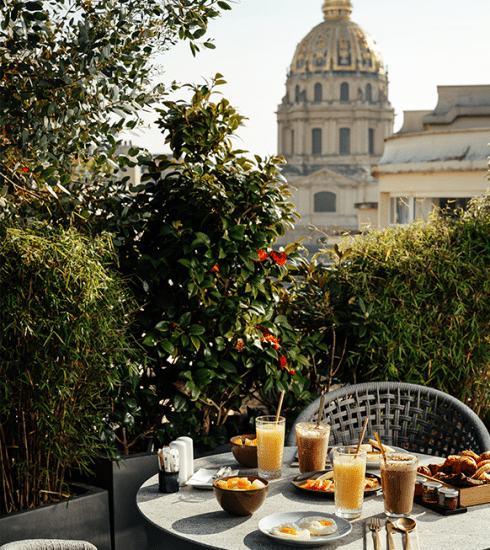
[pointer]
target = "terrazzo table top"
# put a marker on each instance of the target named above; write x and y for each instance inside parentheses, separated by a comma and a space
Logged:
(195, 516)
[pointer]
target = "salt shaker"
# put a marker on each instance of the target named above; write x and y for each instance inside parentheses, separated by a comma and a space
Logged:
(189, 455)
(181, 446)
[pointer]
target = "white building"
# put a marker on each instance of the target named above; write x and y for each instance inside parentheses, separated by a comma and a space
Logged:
(438, 157)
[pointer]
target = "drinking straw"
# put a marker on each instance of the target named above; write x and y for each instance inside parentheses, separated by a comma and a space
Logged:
(320, 411)
(279, 406)
(364, 426)
(380, 446)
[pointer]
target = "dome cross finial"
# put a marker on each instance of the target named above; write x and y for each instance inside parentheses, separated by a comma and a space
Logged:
(337, 9)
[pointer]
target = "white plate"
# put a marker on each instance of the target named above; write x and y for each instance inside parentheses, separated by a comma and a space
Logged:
(267, 523)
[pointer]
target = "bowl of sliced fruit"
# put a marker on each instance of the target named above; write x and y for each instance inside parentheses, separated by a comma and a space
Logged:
(244, 449)
(240, 495)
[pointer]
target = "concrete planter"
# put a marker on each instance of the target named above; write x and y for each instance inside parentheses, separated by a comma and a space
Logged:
(84, 517)
(129, 530)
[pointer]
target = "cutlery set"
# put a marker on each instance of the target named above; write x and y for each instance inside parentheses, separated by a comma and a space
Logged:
(404, 524)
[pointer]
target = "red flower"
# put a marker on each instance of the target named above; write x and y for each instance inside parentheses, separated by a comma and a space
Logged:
(262, 256)
(280, 257)
(283, 361)
(292, 372)
(215, 268)
(24, 169)
(240, 344)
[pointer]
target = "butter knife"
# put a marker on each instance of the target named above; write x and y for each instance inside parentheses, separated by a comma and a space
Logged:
(390, 528)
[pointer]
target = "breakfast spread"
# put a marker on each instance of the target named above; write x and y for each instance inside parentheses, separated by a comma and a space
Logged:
(305, 529)
(465, 470)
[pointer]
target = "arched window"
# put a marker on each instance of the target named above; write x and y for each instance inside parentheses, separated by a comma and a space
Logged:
(344, 141)
(296, 94)
(344, 91)
(369, 93)
(292, 142)
(324, 202)
(316, 141)
(318, 94)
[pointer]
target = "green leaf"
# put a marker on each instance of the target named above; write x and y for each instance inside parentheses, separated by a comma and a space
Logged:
(168, 347)
(196, 330)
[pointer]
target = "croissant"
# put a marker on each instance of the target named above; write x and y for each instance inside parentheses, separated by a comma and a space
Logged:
(484, 456)
(471, 454)
(425, 470)
(482, 471)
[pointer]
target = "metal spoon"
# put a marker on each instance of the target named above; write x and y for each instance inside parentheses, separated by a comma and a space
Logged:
(407, 525)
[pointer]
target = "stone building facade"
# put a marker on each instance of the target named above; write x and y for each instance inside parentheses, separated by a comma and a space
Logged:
(438, 158)
(332, 124)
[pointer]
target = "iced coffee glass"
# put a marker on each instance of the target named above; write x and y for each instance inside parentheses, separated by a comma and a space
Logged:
(312, 439)
(349, 470)
(270, 445)
(398, 475)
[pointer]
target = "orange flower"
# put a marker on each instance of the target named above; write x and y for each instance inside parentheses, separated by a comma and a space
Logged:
(262, 256)
(215, 268)
(272, 339)
(280, 257)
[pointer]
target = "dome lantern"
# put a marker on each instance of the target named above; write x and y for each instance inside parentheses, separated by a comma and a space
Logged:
(337, 9)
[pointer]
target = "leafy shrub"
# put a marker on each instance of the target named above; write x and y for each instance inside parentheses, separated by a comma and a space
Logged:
(197, 239)
(421, 295)
(64, 343)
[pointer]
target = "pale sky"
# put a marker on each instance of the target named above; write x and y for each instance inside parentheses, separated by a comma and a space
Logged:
(424, 44)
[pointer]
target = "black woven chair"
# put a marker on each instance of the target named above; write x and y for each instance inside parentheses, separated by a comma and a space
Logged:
(415, 418)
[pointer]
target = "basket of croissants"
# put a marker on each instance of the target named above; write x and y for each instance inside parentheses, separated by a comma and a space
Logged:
(465, 470)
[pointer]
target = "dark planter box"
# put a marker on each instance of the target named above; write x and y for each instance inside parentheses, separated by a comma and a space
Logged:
(84, 517)
(129, 529)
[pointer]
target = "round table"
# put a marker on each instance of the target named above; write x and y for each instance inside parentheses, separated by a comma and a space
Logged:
(195, 517)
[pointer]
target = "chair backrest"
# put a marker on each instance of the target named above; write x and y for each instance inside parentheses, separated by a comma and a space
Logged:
(413, 417)
(48, 544)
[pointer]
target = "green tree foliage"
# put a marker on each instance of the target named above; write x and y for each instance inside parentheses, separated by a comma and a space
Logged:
(65, 345)
(418, 298)
(197, 238)
(74, 74)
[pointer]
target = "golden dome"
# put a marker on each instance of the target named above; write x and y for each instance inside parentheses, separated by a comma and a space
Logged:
(337, 44)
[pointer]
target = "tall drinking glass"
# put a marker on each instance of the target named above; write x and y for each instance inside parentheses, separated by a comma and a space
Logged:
(349, 471)
(270, 445)
(312, 439)
(398, 475)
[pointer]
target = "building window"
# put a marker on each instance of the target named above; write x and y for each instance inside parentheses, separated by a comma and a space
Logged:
(318, 94)
(344, 141)
(369, 93)
(324, 202)
(292, 142)
(401, 210)
(316, 139)
(344, 91)
(371, 141)
(296, 94)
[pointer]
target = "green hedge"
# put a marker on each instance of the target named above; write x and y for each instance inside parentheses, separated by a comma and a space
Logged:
(413, 304)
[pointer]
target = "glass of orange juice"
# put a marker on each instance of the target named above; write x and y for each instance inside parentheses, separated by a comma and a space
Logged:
(349, 471)
(270, 445)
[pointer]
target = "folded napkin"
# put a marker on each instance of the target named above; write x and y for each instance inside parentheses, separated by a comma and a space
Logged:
(203, 478)
(398, 538)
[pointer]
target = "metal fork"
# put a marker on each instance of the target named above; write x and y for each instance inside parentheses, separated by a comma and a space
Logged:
(375, 525)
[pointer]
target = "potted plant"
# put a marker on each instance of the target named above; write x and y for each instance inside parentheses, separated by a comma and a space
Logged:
(64, 337)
